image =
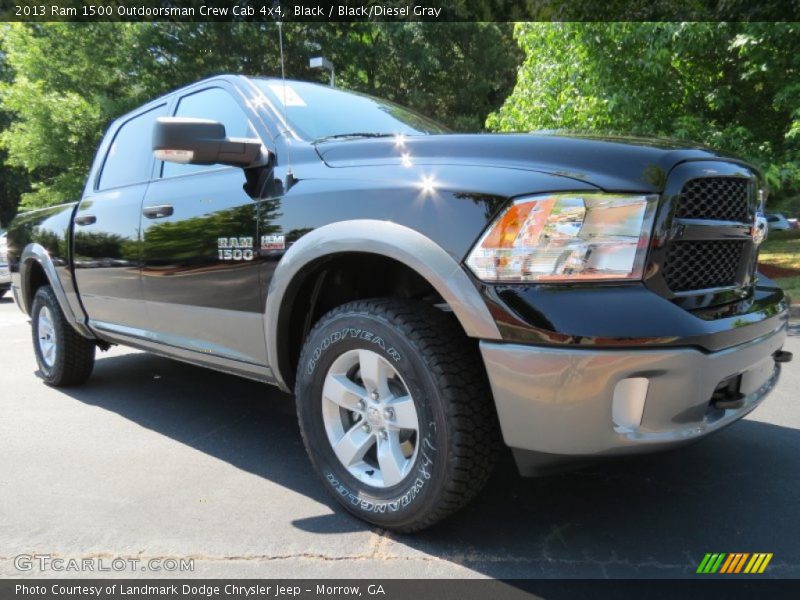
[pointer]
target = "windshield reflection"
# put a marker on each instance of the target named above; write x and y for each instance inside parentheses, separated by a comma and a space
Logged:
(318, 113)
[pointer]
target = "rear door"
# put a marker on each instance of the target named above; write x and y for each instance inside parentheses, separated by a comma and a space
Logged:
(107, 249)
(200, 277)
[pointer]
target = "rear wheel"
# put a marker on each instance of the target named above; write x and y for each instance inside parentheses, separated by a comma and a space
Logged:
(64, 356)
(395, 412)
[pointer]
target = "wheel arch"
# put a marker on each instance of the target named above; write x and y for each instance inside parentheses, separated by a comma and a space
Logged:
(397, 243)
(36, 269)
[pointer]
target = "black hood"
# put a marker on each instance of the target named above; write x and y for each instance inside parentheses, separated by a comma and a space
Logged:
(613, 164)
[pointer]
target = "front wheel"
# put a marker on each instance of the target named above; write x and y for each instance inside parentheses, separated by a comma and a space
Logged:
(64, 356)
(396, 412)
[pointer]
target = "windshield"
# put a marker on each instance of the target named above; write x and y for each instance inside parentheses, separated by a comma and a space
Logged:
(317, 112)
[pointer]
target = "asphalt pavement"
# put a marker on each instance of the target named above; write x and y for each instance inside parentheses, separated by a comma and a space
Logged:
(155, 461)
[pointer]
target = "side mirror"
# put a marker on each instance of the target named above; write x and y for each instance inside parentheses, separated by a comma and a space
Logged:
(203, 142)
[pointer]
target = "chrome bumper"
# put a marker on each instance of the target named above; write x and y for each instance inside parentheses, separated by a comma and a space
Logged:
(576, 402)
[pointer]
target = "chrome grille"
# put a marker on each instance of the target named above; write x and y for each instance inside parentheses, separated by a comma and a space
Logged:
(715, 198)
(701, 265)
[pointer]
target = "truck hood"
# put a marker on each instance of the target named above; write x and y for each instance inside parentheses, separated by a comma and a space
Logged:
(612, 164)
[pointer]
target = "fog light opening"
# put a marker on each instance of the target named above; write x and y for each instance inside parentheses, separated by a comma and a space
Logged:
(628, 404)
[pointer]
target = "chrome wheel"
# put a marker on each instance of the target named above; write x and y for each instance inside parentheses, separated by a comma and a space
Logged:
(46, 335)
(370, 418)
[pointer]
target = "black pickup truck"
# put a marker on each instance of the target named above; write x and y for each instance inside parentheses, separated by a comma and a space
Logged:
(425, 295)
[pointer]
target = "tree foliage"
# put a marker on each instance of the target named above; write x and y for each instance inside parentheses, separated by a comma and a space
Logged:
(68, 81)
(13, 181)
(732, 86)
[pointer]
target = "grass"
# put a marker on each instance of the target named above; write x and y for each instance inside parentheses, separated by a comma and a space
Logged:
(782, 249)
(790, 285)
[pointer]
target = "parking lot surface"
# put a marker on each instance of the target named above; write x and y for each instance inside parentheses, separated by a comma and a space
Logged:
(154, 459)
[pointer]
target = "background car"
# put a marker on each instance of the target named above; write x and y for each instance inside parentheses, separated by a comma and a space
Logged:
(777, 222)
(5, 275)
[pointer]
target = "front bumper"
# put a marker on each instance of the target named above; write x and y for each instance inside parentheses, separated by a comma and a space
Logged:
(580, 403)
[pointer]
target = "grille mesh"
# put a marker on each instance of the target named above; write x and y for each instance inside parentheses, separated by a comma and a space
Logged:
(718, 198)
(701, 265)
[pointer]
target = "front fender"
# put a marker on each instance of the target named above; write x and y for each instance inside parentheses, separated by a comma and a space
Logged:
(384, 238)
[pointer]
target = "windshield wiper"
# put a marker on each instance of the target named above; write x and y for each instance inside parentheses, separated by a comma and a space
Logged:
(364, 134)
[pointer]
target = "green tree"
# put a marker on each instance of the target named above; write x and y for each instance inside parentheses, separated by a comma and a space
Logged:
(67, 80)
(70, 80)
(456, 73)
(13, 181)
(732, 86)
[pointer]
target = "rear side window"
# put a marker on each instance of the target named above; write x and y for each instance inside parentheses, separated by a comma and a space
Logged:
(130, 156)
(217, 105)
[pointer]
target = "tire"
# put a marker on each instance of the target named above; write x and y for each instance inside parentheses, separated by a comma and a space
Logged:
(65, 357)
(407, 479)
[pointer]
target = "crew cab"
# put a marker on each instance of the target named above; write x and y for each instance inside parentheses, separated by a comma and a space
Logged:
(427, 296)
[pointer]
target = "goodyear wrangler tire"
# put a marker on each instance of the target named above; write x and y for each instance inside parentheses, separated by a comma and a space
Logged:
(65, 357)
(396, 412)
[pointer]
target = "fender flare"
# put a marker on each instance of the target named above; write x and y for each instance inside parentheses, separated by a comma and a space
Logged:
(39, 254)
(383, 238)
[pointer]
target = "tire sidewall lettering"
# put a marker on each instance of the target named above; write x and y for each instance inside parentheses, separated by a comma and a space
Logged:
(354, 333)
(422, 476)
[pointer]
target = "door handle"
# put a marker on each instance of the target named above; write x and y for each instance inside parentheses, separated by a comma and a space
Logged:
(85, 220)
(158, 212)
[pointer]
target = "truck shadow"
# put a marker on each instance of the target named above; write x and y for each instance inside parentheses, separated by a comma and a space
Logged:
(649, 516)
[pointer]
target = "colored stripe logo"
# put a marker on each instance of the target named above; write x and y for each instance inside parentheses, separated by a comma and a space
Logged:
(735, 562)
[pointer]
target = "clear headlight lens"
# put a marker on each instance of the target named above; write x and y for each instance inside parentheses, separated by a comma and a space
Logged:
(567, 237)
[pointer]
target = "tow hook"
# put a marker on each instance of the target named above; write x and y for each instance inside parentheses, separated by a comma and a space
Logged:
(727, 395)
(734, 401)
(782, 356)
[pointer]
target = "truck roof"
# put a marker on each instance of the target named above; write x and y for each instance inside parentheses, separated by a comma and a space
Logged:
(228, 77)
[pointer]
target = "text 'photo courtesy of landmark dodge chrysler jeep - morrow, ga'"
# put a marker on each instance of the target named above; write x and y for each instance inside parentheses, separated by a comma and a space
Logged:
(427, 296)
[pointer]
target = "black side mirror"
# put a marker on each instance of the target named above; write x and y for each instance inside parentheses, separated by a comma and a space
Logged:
(203, 142)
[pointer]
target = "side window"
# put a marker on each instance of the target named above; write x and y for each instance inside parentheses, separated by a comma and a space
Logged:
(215, 104)
(130, 156)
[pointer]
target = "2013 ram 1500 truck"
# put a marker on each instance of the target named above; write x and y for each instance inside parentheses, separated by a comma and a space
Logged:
(426, 295)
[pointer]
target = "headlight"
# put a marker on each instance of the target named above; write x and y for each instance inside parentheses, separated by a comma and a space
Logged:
(567, 237)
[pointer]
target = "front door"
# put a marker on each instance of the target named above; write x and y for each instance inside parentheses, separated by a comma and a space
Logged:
(200, 277)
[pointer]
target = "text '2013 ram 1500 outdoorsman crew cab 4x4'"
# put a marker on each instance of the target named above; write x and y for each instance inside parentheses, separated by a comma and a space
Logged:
(425, 295)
